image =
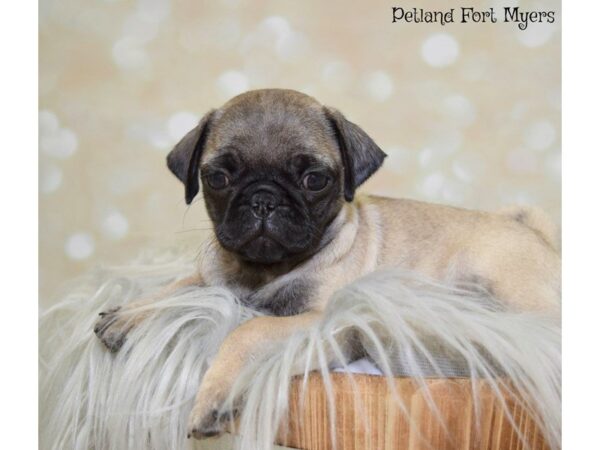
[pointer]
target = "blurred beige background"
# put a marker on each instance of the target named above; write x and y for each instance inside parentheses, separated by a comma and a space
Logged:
(469, 114)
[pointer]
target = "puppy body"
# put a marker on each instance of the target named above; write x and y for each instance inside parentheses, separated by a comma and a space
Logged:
(517, 264)
(279, 173)
(499, 252)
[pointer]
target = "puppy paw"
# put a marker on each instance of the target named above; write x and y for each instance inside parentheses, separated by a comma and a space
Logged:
(112, 328)
(212, 424)
(208, 418)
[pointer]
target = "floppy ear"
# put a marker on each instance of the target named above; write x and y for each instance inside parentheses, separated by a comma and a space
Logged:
(360, 155)
(184, 159)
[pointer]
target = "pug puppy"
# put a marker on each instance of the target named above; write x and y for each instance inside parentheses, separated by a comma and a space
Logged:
(279, 173)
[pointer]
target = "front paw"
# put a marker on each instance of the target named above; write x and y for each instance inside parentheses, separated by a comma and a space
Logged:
(112, 328)
(208, 417)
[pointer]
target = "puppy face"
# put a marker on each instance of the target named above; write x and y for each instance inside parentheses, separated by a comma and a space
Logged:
(275, 167)
(267, 208)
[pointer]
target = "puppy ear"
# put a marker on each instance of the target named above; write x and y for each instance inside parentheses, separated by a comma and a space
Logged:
(361, 156)
(184, 159)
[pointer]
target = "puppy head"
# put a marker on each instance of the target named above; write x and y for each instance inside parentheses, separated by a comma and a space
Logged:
(275, 167)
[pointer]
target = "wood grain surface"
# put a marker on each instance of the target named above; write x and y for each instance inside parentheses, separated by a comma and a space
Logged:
(367, 416)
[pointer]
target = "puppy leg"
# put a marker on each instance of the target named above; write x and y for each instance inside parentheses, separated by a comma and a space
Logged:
(114, 324)
(525, 276)
(250, 341)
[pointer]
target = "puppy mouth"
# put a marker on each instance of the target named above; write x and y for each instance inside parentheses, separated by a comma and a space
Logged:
(266, 237)
(262, 245)
(264, 250)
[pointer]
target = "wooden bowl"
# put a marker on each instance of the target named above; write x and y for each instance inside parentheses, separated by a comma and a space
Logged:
(372, 420)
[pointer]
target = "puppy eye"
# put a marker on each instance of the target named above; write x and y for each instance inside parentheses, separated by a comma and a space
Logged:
(315, 181)
(217, 180)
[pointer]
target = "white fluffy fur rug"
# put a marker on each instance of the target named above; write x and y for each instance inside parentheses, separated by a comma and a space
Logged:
(140, 397)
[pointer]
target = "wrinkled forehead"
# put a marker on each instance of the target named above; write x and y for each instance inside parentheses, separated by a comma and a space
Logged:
(267, 131)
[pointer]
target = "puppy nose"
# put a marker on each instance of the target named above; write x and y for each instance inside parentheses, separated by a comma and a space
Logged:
(263, 203)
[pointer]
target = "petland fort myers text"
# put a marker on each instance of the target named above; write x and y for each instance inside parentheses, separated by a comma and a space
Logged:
(516, 15)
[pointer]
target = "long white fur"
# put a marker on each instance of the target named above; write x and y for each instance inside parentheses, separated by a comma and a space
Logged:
(140, 397)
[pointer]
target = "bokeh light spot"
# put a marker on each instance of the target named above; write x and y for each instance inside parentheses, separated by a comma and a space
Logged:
(80, 246)
(115, 225)
(180, 123)
(440, 50)
(232, 83)
(540, 135)
(379, 86)
(50, 178)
